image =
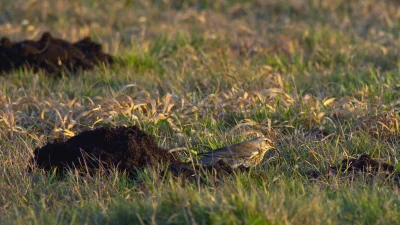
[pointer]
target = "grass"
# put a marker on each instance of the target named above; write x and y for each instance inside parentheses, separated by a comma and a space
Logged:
(320, 77)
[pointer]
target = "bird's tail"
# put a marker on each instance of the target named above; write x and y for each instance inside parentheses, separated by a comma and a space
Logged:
(206, 160)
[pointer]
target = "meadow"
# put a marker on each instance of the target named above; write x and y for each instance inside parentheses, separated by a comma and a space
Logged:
(320, 78)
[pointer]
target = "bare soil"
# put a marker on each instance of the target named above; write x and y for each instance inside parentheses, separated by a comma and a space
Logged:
(51, 55)
(126, 148)
(364, 166)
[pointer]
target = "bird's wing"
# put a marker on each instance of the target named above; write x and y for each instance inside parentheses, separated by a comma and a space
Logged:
(237, 150)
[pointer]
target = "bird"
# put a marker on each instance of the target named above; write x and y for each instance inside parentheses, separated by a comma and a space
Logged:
(245, 154)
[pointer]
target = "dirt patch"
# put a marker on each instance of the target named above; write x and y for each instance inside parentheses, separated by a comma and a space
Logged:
(127, 148)
(364, 165)
(52, 55)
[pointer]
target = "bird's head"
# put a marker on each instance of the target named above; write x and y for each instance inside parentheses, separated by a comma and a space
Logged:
(265, 144)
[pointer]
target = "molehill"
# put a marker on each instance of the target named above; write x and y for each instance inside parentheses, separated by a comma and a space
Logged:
(51, 55)
(364, 166)
(126, 148)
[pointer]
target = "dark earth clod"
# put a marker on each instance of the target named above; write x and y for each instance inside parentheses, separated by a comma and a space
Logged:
(364, 165)
(126, 148)
(51, 55)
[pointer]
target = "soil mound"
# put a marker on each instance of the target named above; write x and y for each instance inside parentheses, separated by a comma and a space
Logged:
(51, 55)
(127, 148)
(363, 165)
